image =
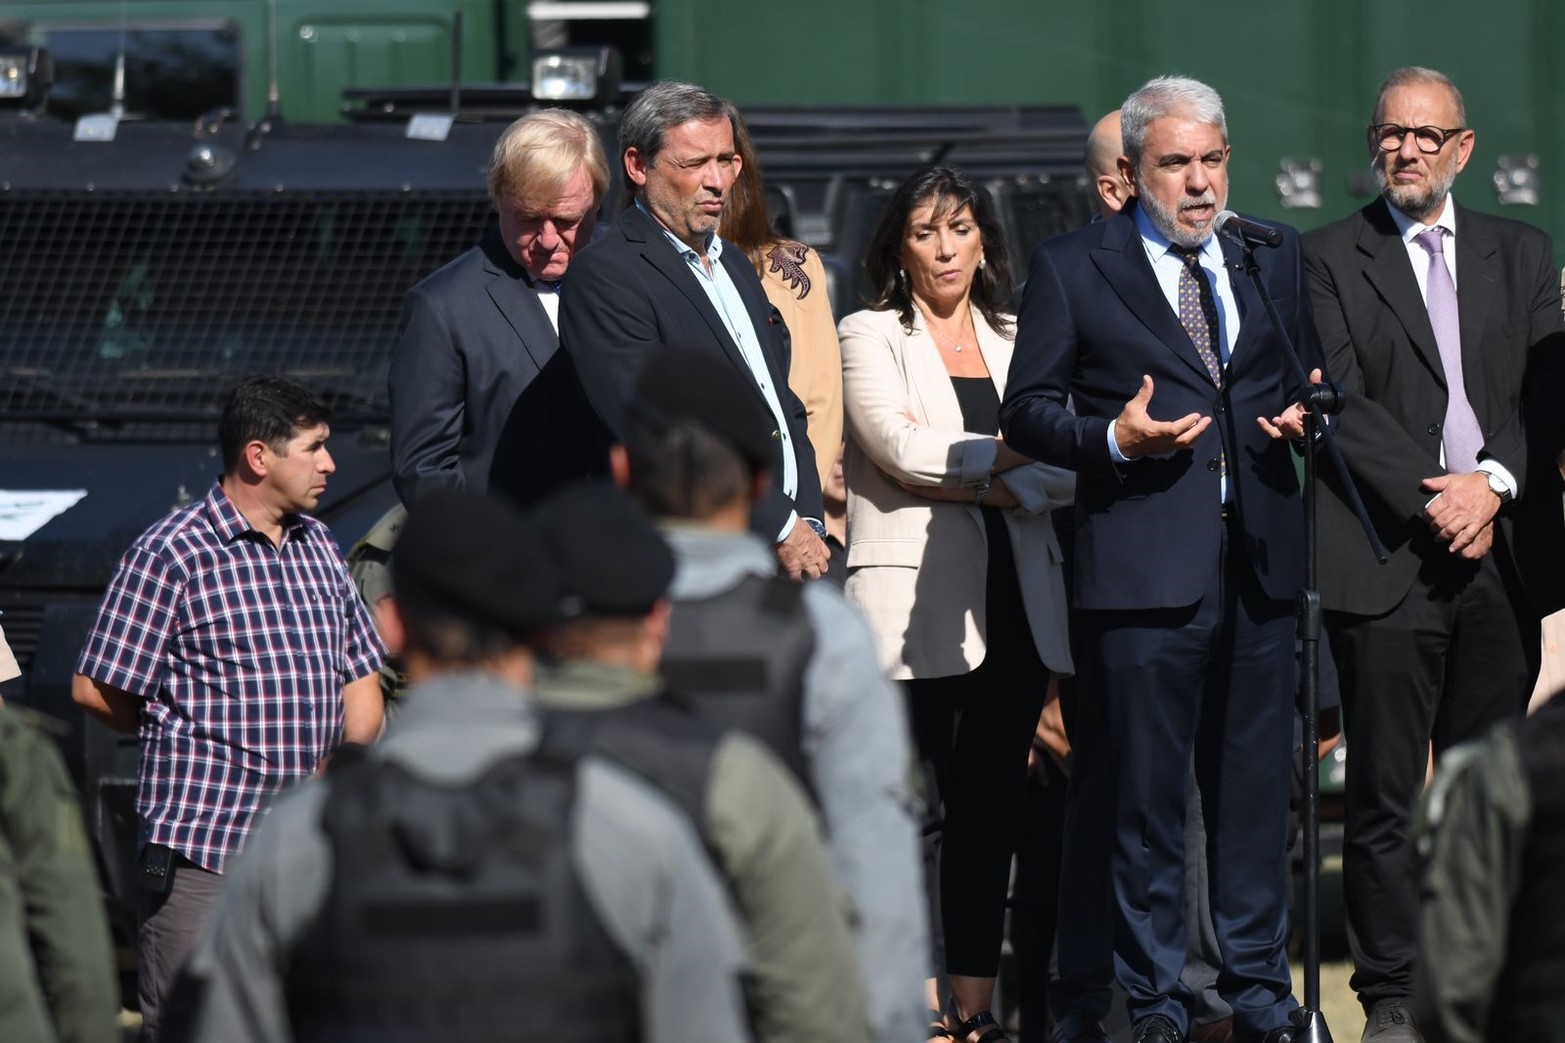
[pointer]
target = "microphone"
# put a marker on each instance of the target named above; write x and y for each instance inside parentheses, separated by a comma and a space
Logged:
(1241, 230)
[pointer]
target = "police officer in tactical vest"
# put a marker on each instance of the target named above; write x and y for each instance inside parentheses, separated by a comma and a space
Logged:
(604, 693)
(794, 664)
(468, 878)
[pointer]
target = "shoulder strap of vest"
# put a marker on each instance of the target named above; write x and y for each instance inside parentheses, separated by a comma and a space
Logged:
(654, 740)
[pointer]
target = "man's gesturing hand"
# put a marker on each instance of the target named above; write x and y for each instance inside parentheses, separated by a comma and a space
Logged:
(1291, 423)
(1464, 507)
(802, 554)
(1139, 435)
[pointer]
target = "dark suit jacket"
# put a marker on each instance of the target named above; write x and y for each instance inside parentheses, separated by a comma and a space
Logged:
(481, 396)
(1093, 320)
(630, 293)
(1380, 346)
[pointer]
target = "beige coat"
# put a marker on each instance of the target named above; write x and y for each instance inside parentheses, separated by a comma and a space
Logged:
(795, 282)
(915, 567)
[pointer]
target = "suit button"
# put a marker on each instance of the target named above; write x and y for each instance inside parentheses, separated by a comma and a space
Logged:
(777, 436)
(1211, 465)
(1433, 429)
(1219, 406)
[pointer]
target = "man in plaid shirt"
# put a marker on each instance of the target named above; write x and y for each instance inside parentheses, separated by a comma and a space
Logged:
(232, 640)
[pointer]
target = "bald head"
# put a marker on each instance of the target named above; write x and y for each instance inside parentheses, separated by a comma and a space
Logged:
(1104, 147)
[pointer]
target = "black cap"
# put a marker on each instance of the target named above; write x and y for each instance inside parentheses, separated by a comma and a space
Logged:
(476, 558)
(611, 559)
(684, 383)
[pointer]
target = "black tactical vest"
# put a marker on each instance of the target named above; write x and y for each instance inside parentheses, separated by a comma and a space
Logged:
(662, 743)
(739, 659)
(1524, 1009)
(455, 914)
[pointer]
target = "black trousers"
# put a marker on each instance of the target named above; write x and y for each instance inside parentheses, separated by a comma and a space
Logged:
(1457, 655)
(972, 732)
(1214, 680)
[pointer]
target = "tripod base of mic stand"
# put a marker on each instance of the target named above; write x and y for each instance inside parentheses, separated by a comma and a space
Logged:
(1311, 1027)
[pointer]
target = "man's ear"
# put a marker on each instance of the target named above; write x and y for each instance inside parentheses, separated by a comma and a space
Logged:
(1128, 173)
(619, 466)
(636, 166)
(257, 457)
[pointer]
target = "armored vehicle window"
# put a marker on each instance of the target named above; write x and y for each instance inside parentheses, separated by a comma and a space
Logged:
(174, 72)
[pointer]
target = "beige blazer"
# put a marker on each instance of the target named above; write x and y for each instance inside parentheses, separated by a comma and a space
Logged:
(795, 282)
(915, 567)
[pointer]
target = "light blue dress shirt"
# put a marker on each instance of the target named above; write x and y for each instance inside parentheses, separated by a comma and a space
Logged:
(1166, 266)
(730, 307)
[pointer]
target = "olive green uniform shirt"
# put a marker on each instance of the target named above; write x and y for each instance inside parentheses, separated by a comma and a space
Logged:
(57, 979)
(767, 844)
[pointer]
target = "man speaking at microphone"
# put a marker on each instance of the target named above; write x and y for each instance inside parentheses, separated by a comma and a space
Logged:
(1189, 553)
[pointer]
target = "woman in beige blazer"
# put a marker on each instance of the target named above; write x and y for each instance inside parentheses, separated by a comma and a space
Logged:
(951, 552)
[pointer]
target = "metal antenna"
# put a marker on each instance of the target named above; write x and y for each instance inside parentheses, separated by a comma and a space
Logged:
(456, 63)
(273, 105)
(117, 102)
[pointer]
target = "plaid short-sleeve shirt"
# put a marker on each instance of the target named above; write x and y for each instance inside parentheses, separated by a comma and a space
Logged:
(241, 650)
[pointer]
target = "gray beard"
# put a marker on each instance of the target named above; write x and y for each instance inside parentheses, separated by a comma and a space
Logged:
(1167, 222)
(1414, 201)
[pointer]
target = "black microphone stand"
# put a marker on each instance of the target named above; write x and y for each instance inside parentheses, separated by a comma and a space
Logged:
(1322, 400)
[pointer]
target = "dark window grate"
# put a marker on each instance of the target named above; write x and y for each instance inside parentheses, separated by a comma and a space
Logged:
(147, 306)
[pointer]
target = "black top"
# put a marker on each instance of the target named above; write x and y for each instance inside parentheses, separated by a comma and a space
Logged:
(980, 404)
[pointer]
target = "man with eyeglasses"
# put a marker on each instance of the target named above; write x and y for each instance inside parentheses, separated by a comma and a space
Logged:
(1444, 326)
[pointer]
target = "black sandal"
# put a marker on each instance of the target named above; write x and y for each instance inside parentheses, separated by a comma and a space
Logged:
(937, 1026)
(983, 1020)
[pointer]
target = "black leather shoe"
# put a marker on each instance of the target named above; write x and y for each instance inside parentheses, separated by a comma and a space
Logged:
(1282, 1035)
(1158, 1029)
(1079, 1028)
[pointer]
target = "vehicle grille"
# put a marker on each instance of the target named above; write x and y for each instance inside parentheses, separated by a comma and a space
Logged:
(149, 305)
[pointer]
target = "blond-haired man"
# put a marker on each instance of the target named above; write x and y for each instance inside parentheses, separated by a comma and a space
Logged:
(481, 396)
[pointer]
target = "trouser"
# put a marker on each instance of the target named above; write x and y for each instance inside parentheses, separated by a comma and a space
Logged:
(1457, 655)
(972, 732)
(1214, 680)
(170, 926)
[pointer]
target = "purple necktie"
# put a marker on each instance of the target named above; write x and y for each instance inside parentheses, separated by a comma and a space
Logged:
(1462, 436)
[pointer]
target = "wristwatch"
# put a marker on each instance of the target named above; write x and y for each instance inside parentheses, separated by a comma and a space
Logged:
(1498, 487)
(983, 490)
(819, 527)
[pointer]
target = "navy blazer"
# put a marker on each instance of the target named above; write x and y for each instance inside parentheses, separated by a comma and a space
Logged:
(1380, 345)
(481, 396)
(630, 293)
(1093, 321)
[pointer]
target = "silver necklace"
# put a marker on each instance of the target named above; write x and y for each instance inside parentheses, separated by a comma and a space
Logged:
(954, 345)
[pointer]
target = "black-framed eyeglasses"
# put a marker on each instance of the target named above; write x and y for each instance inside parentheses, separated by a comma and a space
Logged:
(1430, 139)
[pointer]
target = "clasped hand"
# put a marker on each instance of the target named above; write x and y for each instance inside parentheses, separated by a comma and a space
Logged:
(1462, 512)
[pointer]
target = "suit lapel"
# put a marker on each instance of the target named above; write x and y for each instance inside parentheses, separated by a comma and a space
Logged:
(996, 351)
(1122, 260)
(1477, 277)
(657, 251)
(512, 293)
(1252, 319)
(1390, 272)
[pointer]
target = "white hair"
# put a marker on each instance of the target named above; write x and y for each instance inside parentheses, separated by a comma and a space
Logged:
(1168, 96)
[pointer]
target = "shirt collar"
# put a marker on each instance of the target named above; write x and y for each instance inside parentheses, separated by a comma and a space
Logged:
(230, 523)
(1410, 229)
(1158, 244)
(714, 242)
